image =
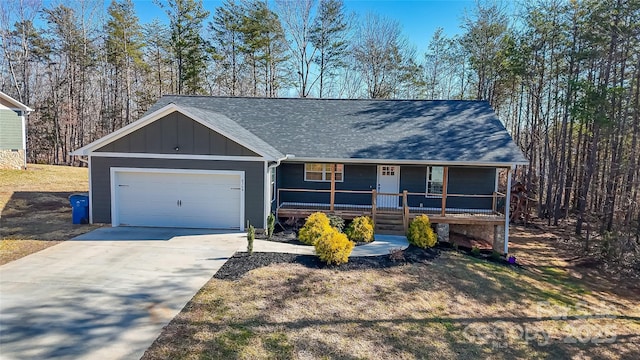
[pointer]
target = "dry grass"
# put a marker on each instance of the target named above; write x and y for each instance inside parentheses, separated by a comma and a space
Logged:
(457, 307)
(35, 210)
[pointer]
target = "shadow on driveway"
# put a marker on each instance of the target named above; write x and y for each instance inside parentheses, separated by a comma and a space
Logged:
(106, 294)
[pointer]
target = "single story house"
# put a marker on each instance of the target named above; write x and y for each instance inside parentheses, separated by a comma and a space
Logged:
(223, 162)
(13, 133)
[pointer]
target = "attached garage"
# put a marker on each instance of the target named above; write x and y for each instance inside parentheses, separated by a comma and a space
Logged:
(177, 198)
(178, 168)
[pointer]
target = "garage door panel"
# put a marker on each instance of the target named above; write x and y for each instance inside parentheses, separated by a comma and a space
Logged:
(156, 220)
(203, 200)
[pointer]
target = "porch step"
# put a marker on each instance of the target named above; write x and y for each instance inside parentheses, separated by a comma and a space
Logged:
(391, 232)
(389, 224)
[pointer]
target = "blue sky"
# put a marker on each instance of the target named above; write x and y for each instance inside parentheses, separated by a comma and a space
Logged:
(419, 18)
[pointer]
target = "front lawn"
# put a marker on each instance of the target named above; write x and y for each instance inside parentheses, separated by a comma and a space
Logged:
(450, 307)
(34, 208)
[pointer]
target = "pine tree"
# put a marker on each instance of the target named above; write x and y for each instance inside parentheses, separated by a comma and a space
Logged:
(483, 40)
(329, 35)
(124, 53)
(186, 18)
(158, 58)
(264, 48)
(227, 40)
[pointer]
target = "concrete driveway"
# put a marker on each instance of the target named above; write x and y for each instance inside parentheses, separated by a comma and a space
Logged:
(105, 294)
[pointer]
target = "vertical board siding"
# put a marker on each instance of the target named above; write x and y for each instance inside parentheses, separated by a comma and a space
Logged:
(474, 181)
(177, 130)
(101, 181)
(356, 177)
(186, 140)
(413, 178)
(137, 142)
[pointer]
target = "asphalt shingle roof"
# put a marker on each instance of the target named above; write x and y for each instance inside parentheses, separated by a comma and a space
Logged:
(424, 130)
(234, 129)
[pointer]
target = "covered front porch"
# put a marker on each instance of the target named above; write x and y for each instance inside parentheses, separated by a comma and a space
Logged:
(391, 203)
(457, 199)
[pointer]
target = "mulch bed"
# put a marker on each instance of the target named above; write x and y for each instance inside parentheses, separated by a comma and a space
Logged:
(286, 236)
(242, 262)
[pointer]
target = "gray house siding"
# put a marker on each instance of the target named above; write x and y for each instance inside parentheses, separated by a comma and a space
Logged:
(173, 131)
(10, 130)
(101, 181)
(414, 180)
(473, 181)
(462, 180)
(356, 177)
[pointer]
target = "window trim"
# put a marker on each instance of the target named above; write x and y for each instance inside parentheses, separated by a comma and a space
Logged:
(430, 181)
(326, 172)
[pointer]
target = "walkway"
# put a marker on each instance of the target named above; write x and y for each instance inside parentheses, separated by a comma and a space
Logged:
(381, 246)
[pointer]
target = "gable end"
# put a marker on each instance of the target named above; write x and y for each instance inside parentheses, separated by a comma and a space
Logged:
(176, 130)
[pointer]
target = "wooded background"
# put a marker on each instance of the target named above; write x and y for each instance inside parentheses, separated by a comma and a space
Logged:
(563, 76)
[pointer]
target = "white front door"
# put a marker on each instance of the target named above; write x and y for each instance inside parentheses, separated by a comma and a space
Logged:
(388, 186)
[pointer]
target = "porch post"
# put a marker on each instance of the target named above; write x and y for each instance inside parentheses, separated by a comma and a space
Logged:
(444, 190)
(374, 197)
(333, 186)
(507, 205)
(405, 211)
(494, 207)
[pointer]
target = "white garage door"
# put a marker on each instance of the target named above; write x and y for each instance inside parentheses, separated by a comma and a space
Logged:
(188, 199)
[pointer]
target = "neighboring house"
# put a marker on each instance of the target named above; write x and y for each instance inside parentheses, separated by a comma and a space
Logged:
(13, 133)
(219, 162)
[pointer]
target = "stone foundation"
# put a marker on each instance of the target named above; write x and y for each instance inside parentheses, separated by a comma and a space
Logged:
(484, 232)
(10, 159)
(443, 232)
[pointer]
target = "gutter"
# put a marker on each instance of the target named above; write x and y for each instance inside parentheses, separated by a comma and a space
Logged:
(411, 162)
(276, 163)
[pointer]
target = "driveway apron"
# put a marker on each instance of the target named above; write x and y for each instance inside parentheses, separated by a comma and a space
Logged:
(106, 294)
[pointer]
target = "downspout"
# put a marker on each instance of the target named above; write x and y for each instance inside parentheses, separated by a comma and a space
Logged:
(270, 166)
(507, 207)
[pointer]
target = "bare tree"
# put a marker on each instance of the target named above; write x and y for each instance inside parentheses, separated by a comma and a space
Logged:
(296, 21)
(329, 36)
(378, 53)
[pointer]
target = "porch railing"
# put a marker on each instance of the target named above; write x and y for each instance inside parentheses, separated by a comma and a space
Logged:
(372, 202)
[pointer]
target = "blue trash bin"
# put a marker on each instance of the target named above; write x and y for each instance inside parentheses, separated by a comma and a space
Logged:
(79, 208)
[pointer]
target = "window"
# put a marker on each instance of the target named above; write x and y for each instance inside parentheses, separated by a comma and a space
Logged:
(388, 171)
(322, 172)
(435, 177)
